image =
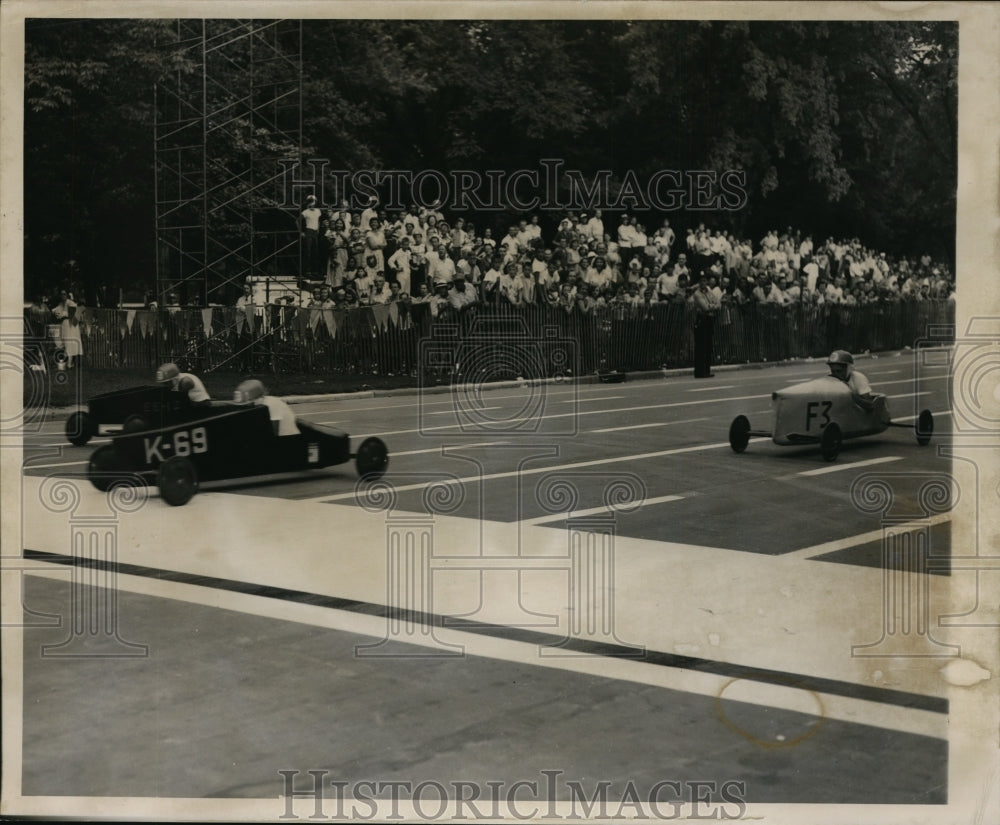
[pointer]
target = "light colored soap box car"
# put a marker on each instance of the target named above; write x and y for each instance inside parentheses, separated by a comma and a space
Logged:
(823, 412)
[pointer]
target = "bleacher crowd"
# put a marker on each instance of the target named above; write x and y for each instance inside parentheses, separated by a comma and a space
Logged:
(416, 256)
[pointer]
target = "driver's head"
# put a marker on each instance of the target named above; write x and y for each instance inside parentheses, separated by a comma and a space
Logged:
(167, 372)
(248, 391)
(840, 362)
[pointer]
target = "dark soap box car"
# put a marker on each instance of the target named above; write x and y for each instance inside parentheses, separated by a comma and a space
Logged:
(235, 443)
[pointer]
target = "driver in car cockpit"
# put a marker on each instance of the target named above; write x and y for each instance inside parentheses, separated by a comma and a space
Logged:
(841, 364)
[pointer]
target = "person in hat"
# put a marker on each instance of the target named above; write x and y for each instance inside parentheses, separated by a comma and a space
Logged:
(281, 415)
(841, 364)
(462, 294)
(170, 375)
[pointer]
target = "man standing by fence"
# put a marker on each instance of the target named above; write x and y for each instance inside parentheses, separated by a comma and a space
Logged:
(706, 304)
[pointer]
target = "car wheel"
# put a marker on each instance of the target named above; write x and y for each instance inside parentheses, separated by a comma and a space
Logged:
(79, 428)
(134, 424)
(739, 433)
(372, 457)
(104, 467)
(830, 442)
(925, 428)
(177, 479)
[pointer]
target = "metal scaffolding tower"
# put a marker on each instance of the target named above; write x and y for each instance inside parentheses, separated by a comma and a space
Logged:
(225, 118)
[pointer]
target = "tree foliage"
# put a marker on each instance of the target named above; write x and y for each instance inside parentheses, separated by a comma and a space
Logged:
(845, 128)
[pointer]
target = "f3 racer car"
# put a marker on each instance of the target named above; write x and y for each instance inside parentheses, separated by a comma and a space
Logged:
(823, 412)
(236, 444)
(136, 408)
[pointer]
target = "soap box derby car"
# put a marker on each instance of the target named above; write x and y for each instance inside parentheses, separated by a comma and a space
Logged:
(823, 412)
(237, 443)
(136, 408)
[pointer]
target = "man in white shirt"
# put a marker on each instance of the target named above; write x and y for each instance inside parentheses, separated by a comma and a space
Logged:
(399, 264)
(281, 415)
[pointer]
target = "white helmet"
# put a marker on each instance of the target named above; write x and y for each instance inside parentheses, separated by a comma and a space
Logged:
(248, 391)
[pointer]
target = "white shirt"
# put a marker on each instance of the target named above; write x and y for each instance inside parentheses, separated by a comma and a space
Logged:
(282, 413)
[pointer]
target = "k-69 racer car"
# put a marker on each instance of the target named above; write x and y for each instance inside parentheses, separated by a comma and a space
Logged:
(237, 444)
(136, 408)
(823, 411)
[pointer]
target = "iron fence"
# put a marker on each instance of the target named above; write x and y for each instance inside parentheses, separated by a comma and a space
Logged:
(404, 338)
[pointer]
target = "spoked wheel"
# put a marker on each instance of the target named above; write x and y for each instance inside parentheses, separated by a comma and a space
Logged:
(79, 428)
(134, 424)
(739, 433)
(925, 428)
(177, 480)
(104, 467)
(372, 457)
(831, 441)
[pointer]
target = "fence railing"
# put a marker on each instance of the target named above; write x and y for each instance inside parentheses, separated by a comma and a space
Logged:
(502, 340)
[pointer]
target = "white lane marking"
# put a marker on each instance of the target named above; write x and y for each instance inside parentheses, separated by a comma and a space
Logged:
(575, 413)
(914, 417)
(30, 441)
(712, 389)
(780, 697)
(47, 466)
(593, 511)
(595, 398)
(836, 468)
(909, 394)
(339, 421)
(643, 426)
(526, 472)
(442, 447)
(462, 411)
(863, 538)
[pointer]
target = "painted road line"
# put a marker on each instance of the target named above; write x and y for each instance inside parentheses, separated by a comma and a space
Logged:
(712, 389)
(595, 398)
(576, 413)
(523, 472)
(60, 464)
(442, 447)
(780, 695)
(836, 468)
(863, 538)
(942, 413)
(909, 394)
(463, 411)
(643, 426)
(593, 511)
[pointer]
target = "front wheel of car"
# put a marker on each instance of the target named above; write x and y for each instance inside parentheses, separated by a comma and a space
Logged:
(739, 433)
(831, 441)
(104, 467)
(372, 457)
(177, 479)
(925, 428)
(79, 428)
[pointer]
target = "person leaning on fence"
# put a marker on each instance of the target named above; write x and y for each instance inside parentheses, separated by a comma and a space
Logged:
(706, 305)
(184, 382)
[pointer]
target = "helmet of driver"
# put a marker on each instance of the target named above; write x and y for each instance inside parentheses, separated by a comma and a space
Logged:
(840, 356)
(248, 391)
(167, 372)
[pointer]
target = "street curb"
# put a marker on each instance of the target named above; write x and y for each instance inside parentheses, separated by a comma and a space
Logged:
(607, 378)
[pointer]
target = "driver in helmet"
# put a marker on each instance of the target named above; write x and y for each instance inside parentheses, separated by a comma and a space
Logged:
(184, 382)
(841, 364)
(282, 417)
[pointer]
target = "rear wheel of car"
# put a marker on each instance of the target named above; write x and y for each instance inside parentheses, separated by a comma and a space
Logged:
(739, 433)
(134, 424)
(830, 442)
(372, 457)
(104, 467)
(79, 428)
(925, 428)
(177, 480)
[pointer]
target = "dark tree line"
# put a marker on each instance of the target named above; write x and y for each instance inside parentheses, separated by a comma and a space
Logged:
(842, 128)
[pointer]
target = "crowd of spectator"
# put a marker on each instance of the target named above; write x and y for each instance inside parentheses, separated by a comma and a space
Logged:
(417, 256)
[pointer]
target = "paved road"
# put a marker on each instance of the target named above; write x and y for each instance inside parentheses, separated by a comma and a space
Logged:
(718, 626)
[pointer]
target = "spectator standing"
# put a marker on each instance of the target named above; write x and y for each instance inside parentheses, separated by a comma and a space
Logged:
(707, 308)
(309, 222)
